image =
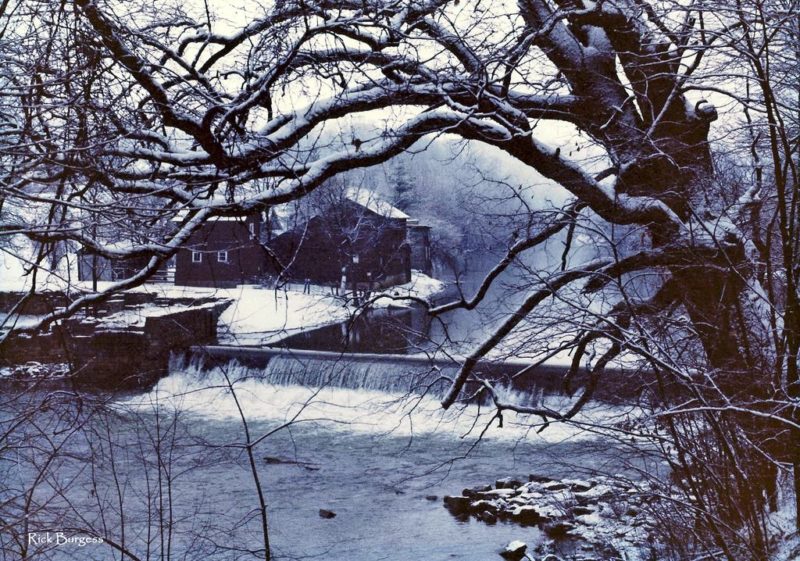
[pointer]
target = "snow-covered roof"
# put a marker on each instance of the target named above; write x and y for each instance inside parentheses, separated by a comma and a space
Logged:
(369, 200)
(280, 218)
(181, 214)
(283, 218)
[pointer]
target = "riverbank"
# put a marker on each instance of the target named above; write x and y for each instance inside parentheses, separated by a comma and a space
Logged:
(605, 518)
(125, 343)
(257, 315)
(260, 315)
(612, 519)
(130, 336)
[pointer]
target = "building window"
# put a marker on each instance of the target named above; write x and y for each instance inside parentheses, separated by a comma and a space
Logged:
(197, 257)
(222, 256)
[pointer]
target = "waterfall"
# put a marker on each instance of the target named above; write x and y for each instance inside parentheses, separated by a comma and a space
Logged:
(384, 376)
(390, 375)
(352, 394)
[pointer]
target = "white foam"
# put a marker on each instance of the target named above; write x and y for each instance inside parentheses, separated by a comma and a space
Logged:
(207, 395)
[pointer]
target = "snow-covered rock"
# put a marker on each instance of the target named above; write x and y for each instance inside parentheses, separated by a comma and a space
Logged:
(514, 551)
(421, 287)
(601, 513)
(507, 483)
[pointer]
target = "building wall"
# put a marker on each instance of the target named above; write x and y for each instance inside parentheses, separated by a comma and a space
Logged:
(101, 265)
(223, 253)
(369, 247)
(373, 250)
(109, 269)
(419, 240)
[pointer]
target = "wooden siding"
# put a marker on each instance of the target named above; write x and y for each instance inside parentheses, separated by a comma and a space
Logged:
(369, 247)
(199, 263)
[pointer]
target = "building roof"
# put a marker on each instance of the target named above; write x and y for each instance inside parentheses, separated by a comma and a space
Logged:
(281, 217)
(181, 214)
(369, 200)
(282, 213)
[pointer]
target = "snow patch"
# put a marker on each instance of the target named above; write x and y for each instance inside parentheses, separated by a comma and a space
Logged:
(421, 287)
(370, 201)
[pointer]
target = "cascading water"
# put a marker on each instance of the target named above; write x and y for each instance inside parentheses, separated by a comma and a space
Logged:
(358, 374)
(361, 395)
(359, 438)
(397, 375)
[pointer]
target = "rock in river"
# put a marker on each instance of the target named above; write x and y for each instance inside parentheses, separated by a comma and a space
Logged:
(507, 483)
(514, 551)
(457, 505)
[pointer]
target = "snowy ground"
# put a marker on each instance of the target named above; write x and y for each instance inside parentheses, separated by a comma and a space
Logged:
(782, 523)
(262, 315)
(13, 265)
(421, 286)
(136, 316)
(258, 315)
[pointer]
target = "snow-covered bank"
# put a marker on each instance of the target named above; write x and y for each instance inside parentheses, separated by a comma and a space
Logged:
(421, 286)
(135, 317)
(16, 257)
(787, 547)
(259, 315)
(611, 518)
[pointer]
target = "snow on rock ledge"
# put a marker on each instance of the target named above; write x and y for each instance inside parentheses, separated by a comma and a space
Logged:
(421, 286)
(610, 516)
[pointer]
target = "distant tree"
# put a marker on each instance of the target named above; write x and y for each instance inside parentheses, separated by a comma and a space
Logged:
(402, 183)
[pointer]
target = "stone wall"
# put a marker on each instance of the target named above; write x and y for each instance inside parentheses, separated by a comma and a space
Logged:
(182, 329)
(114, 358)
(37, 304)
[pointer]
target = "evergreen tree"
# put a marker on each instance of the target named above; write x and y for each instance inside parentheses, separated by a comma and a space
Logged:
(402, 186)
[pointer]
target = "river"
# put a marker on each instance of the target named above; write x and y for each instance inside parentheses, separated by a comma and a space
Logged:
(376, 459)
(411, 330)
(163, 474)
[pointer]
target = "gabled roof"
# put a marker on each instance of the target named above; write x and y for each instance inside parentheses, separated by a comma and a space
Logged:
(369, 200)
(281, 216)
(181, 214)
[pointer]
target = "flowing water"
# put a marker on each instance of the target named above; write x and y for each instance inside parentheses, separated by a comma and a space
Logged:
(165, 471)
(165, 474)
